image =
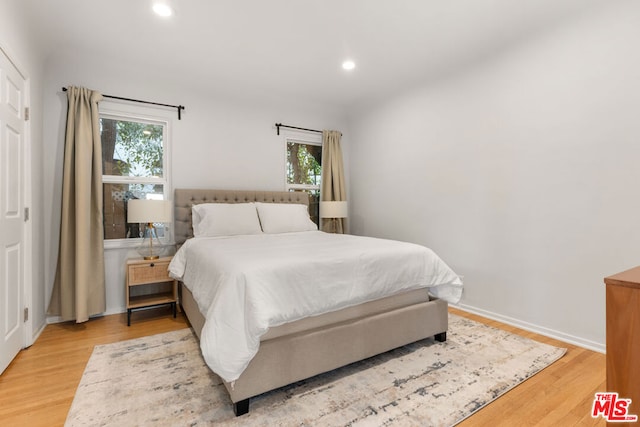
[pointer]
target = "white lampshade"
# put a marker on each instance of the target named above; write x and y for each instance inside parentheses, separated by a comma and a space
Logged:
(142, 210)
(333, 209)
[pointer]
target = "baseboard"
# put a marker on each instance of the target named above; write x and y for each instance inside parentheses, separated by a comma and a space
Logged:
(58, 319)
(116, 310)
(54, 319)
(551, 333)
(36, 335)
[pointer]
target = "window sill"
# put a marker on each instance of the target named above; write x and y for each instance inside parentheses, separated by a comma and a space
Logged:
(129, 244)
(122, 243)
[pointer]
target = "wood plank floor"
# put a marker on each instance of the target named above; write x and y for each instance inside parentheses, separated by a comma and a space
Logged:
(38, 387)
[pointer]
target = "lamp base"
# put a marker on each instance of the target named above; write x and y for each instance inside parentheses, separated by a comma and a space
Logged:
(151, 252)
(334, 226)
(151, 247)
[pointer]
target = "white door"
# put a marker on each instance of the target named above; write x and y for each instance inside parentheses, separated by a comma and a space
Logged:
(12, 140)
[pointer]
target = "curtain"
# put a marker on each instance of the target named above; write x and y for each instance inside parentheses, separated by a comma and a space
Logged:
(79, 287)
(333, 184)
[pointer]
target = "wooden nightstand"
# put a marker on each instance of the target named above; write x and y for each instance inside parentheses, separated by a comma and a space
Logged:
(149, 284)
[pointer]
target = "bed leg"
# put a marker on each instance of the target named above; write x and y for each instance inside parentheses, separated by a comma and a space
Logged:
(241, 407)
(441, 337)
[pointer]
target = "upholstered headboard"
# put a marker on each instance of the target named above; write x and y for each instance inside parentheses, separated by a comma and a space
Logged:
(184, 199)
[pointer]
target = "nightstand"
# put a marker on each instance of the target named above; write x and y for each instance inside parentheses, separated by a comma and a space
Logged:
(149, 284)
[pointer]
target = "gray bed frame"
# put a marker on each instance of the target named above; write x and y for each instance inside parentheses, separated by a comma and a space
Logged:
(305, 348)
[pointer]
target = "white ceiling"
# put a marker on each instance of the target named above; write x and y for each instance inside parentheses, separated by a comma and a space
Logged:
(294, 48)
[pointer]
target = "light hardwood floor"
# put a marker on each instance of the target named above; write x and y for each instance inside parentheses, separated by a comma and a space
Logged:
(38, 387)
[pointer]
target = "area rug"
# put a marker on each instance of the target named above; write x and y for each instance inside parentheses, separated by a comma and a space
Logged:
(162, 380)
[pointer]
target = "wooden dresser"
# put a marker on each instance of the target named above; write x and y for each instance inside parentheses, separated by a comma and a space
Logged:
(623, 336)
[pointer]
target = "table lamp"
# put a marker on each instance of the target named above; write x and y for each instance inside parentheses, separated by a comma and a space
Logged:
(149, 212)
(333, 210)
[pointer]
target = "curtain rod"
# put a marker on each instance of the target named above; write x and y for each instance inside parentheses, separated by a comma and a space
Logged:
(280, 125)
(178, 107)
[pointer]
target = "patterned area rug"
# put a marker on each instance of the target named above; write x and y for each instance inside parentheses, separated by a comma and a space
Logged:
(162, 380)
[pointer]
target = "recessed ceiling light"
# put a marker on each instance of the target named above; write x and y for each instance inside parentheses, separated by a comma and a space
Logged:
(348, 65)
(162, 9)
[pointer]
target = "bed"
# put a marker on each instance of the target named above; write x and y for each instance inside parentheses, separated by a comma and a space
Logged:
(295, 346)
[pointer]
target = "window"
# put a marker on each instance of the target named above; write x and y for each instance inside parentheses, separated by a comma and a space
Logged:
(304, 170)
(134, 166)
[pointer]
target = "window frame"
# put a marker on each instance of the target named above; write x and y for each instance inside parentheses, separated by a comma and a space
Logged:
(149, 115)
(308, 139)
(300, 138)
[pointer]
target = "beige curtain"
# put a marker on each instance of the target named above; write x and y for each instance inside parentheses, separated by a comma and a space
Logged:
(79, 288)
(333, 186)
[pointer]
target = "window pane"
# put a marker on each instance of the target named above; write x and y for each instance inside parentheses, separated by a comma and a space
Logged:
(314, 204)
(116, 197)
(304, 163)
(131, 148)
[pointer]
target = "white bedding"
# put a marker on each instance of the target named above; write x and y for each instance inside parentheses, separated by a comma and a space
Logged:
(246, 284)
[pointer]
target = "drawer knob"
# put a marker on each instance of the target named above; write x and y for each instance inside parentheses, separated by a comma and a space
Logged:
(152, 265)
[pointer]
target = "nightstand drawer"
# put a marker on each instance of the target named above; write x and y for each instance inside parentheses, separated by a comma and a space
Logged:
(148, 272)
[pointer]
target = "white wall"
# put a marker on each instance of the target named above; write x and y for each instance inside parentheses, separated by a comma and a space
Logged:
(219, 143)
(16, 41)
(521, 172)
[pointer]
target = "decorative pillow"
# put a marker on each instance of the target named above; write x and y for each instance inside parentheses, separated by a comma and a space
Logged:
(284, 217)
(225, 219)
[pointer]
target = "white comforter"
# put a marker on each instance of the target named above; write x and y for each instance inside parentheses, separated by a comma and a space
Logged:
(246, 284)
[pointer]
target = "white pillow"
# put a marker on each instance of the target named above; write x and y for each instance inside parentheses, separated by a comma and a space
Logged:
(284, 217)
(224, 219)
